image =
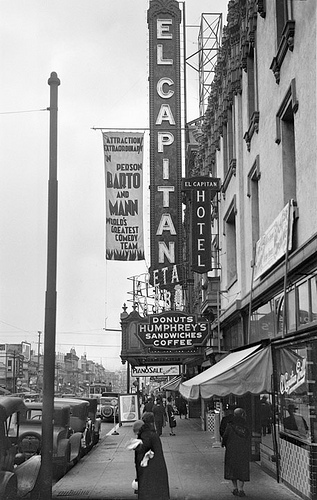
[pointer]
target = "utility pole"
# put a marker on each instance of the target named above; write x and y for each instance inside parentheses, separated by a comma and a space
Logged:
(46, 474)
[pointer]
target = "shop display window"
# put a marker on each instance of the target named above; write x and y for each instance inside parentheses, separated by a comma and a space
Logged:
(291, 317)
(303, 303)
(313, 289)
(296, 392)
(262, 322)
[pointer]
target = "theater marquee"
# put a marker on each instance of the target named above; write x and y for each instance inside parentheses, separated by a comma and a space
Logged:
(164, 17)
(173, 331)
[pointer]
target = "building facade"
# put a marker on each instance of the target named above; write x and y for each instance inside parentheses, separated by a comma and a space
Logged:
(258, 136)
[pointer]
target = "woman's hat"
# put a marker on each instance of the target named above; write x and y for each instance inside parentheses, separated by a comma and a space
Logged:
(137, 426)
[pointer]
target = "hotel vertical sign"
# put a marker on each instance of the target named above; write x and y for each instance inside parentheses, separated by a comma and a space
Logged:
(164, 17)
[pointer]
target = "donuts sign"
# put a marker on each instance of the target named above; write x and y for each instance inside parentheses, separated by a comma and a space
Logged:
(173, 330)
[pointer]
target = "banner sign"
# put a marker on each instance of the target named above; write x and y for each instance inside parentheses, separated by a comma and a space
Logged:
(123, 153)
(203, 190)
(173, 330)
(272, 246)
(292, 372)
(154, 371)
(164, 18)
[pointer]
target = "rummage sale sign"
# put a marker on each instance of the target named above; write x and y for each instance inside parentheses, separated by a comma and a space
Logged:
(173, 330)
(123, 153)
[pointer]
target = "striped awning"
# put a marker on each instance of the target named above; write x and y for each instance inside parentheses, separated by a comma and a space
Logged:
(173, 384)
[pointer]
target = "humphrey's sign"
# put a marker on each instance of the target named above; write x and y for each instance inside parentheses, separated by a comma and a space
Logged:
(173, 330)
(155, 371)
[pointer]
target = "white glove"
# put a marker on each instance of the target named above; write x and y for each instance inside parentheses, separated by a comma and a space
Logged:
(149, 454)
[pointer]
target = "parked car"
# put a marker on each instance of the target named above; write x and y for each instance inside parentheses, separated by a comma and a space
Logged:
(108, 406)
(83, 418)
(67, 445)
(18, 472)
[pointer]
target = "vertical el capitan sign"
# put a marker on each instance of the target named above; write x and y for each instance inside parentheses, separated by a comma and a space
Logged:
(164, 17)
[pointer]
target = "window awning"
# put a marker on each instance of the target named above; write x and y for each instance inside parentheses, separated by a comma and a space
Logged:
(248, 370)
(173, 384)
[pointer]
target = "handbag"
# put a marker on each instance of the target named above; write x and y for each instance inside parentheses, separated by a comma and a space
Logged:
(173, 422)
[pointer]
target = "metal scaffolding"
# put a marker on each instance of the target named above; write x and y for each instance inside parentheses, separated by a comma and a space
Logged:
(204, 60)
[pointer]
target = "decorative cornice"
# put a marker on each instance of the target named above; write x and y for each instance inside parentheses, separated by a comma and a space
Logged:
(286, 43)
(253, 127)
(262, 8)
(170, 7)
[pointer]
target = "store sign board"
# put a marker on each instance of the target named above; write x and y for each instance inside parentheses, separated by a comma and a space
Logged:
(292, 372)
(272, 245)
(203, 190)
(172, 331)
(164, 20)
(155, 371)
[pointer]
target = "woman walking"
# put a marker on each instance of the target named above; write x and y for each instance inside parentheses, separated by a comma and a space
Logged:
(170, 416)
(153, 477)
(236, 439)
(159, 415)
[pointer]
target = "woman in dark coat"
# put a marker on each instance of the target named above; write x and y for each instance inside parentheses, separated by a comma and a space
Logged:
(170, 416)
(152, 479)
(236, 439)
(159, 415)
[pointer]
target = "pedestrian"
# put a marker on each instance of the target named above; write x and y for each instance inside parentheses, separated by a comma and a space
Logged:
(182, 408)
(153, 477)
(159, 415)
(137, 426)
(228, 417)
(170, 416)
(266, 415)
(295, 423)
(236, 440)
(149, 405)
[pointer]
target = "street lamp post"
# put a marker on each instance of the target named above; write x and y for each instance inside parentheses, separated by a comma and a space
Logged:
(46, 475)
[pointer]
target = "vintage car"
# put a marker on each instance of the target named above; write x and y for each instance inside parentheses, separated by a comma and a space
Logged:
(67, 443)
(83, 418)
(18, 472)
(108, 406)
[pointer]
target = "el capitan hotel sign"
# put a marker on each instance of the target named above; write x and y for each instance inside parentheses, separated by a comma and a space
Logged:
(202, 191)
(164, 18)
(172, 331)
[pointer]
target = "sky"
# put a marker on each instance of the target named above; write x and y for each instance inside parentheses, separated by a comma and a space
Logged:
(99, 50)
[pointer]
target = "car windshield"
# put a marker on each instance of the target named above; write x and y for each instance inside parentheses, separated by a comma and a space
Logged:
(107, 400)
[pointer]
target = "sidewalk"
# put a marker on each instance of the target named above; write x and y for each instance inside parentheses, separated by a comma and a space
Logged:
(195, 470)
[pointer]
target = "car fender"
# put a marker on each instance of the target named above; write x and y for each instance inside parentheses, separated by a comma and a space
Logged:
(27, 474)
(62, 447)
(75, 446)
(8, 482)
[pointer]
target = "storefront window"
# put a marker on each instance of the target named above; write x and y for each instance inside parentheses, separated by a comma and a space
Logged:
(296, 393)
(303, 303)
(291, 298)
(262, 323)
(314, 298)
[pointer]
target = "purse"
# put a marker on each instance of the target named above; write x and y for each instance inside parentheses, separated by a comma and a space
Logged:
(173, 422)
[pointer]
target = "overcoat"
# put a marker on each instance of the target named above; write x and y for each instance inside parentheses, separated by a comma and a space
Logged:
(236, 439)
(152, 479)
(159, 417)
